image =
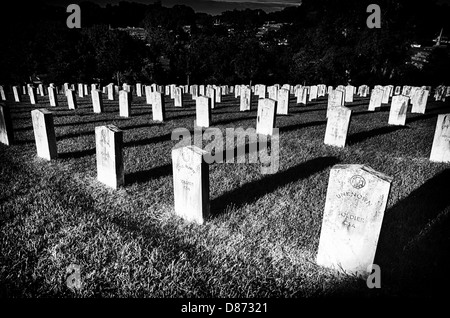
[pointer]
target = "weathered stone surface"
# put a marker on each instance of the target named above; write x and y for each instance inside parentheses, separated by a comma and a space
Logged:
(44, 134)
(71, 99)
(203, 111)
(399, 107)
(355, 204)
(265, 121)
(109, 144)
(97, 101)
(337, 126)
(6, 128)
(440, 150)
(283, 102)
(191, 183)
(158, 107)
(124, 103)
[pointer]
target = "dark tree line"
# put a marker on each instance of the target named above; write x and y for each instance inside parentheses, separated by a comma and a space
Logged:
(327, 42)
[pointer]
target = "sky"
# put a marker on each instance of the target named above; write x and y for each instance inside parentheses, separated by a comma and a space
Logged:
(208, 6)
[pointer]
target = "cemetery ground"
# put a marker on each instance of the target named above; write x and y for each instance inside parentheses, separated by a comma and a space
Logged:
(262, 237)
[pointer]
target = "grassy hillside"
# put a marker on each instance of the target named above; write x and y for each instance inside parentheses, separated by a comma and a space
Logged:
(262, 238)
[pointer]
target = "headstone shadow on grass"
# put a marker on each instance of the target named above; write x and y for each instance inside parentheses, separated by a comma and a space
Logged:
(414, 245)
(363, 135)
(254, 190)
(76, 154)
(301, 125)
(147, 175)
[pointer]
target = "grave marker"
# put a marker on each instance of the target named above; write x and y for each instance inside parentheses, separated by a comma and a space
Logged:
(397, 113)
(124, 104)
(335, 99)
(246, 99)
(41, 90)
(349, 89)
(386, 94)
(440, 151)
(419, 101)
(138, 89)
(283, 102)
(211, 93)
(273, 92)
(302, 95)
(337, 126)
(354, 208)
(158, 107)
(203, 111)
(191, 183)
(148, 95)
(375, 99)
(32, 95)
(71, 99)
(313, 93)
(110, 89)
(265, 121)
(97, 101)
(218, 92)
(52, 96)
(6, 128)
(80, 90)
(44, 134)
(178, 97)
(2, 93)
(109, 143)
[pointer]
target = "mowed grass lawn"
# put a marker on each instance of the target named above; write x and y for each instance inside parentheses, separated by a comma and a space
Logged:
(263, 235)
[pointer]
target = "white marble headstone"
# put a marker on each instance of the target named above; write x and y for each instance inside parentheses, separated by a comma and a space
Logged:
(283, 102)
(313, 92)
(399, 107)
(203, 111)
(245, 99)
(6, 129)
(354, 208)
(265, 121)
(97, 101)
(16, 94)
(335, 99)
(32, 94)
(52, 96)
(71, 99)
(178, 97)
(2, 93)
(337, 126)
(349, 89)
(124, 103)
(191, 183)
(375, 99)
(44, 134)
(419, 101)
(440, 150)
(158, 106)
(109, 143)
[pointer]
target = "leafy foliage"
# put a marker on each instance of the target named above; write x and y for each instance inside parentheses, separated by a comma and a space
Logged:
(327, 41)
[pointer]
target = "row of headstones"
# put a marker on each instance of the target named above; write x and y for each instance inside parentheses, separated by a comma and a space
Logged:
(354, 207)
(337, 123)
(337, 127)
(339, 117)
(362, 189)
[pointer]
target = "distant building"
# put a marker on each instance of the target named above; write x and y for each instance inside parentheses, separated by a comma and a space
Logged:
(420, 54)
(187, 29)
(271, 26)
(136, 33)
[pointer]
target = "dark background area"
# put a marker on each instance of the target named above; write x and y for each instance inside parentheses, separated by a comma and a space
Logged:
(324, 41)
